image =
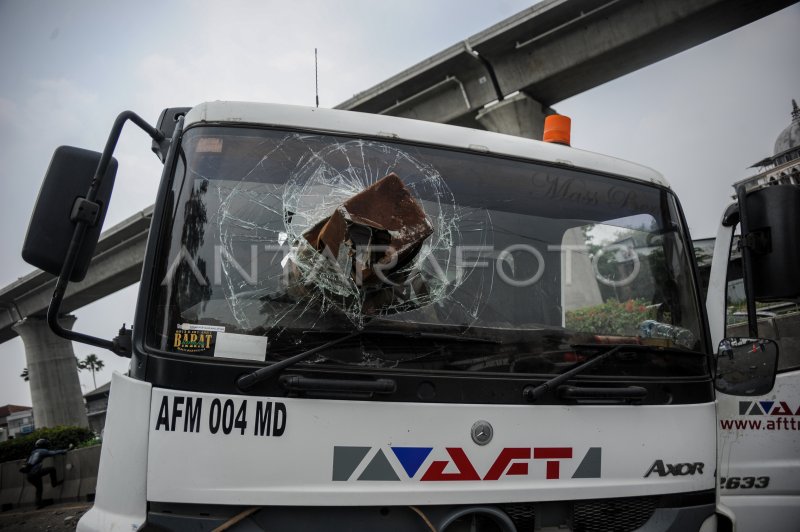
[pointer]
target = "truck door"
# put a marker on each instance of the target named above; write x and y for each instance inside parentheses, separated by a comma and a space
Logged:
(759, 437)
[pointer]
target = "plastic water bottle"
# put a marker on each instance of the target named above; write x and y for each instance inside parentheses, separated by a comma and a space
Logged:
(677, 335)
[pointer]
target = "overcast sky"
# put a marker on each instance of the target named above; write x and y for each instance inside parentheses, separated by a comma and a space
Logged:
(68, 68)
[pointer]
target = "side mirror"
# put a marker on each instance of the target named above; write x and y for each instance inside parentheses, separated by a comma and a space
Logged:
(746, 366)
(51, 227)
(773, 220)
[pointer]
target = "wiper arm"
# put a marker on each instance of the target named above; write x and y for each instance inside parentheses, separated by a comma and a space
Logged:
(248, 381)
(532, 394)
(537, 392)
(251, 379)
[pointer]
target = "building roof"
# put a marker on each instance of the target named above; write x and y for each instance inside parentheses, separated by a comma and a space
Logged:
(102, 390)
(19, 415)
(5, 410)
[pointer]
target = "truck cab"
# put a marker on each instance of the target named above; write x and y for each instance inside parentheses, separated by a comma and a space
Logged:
(358, 322)
(759, 435)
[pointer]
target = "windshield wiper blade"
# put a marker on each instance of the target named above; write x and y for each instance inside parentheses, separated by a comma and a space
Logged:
(341, 386)
(251, 379)
(430, 336)
(424, 335)
(532, 394)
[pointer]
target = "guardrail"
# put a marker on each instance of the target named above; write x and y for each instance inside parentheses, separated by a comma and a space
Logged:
(77, 469)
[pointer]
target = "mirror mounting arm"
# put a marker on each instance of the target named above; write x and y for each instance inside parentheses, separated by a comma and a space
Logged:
(83, 220)
(747, 262)
(85, 210)
(760, 241)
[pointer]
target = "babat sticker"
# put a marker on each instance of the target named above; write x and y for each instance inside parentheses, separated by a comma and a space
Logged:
(195, 339)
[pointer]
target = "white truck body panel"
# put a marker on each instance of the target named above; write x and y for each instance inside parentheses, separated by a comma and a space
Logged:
(759, 439)
(619, 444)
(716, 301)
(121, 503)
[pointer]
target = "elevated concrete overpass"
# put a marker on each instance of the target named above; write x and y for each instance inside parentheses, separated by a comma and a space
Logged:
(503, 79)
(550, 52)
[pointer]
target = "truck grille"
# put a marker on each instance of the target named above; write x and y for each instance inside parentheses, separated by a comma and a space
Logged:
(522, 515)
(612, 515)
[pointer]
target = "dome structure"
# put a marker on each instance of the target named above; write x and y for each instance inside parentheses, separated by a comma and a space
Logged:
(789, 138)
(782, 168)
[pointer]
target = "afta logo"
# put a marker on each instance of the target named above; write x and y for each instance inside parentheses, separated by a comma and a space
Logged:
(766, 408)
(510, 461)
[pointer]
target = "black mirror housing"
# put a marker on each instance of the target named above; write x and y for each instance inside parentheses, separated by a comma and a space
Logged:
(50, 231)
(773, 219)
(746, 366)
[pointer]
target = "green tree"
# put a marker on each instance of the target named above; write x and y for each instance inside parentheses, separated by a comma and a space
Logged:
(93, 364)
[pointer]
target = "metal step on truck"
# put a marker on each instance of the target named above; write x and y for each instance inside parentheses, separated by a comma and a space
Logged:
(359, 322)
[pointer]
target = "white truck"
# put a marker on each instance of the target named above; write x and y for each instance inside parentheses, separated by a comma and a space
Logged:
(359, 322)
(759, 436)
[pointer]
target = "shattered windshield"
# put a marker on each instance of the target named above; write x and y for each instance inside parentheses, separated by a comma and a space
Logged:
(279, 241)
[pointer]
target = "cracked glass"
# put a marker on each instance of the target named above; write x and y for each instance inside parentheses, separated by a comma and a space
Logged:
(443, 259)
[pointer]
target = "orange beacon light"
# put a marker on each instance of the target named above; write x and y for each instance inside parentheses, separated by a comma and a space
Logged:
(557, 129)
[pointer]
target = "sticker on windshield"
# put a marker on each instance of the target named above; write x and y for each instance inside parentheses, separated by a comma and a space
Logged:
(242, 346)
(195, 341)
(209, 145)
(199, 327)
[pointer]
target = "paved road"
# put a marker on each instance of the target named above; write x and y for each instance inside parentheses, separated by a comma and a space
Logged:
(58, 518)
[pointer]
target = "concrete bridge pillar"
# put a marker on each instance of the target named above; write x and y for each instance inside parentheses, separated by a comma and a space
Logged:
(52, 373)
(518, 115)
